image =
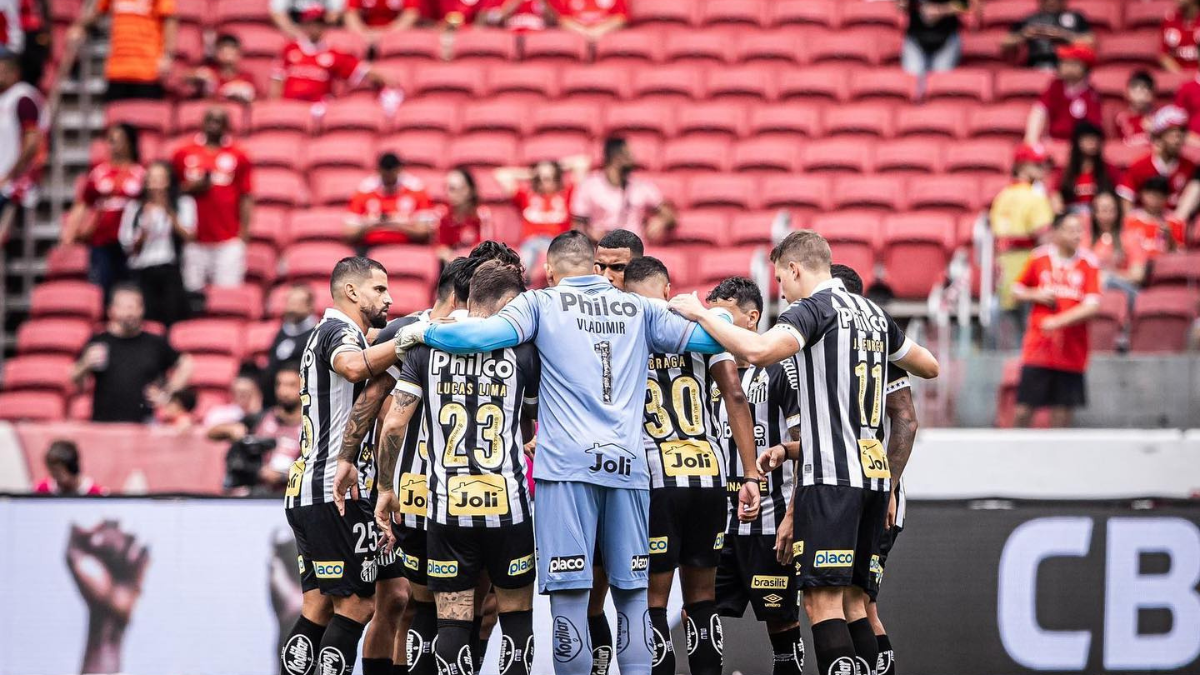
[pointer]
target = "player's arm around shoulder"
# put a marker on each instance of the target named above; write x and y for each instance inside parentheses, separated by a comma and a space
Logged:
(759, 349)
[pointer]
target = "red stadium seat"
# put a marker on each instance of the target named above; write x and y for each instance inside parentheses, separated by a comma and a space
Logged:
(602, 81)
(189, 116)
(281, 114)
(721, 263)
(40, 371)
(280, 186)
(409, 44)
(53, 336)
(942, 119)
(910, 154)
(983, 48)
(1105, 328)
(239, 11)
(553, 147)
(631, 46)
(353, 149)
(213, 372)
(260, 335)
(846, 46)
(193, 11)
(751, 228)
(962, 83)
(881, 83)
(730, 12)
(409, 296)
(680, 81)
(870, 14)
(722, 190)
(428, 113)
(457, 78)
(1140, 48)
(647, 152)
(344, 40)
(261, 263)
(496, 115)
(485, 43)
(531, 78)
(861, 119)
(1161, 319)
(878, 191)
(854, 238)
(1147, 14)
(723, 117)
(803, 12)
(1182, 268)
(260, 41)
(710, 154)
(152, 116)
(351, 115)
(916, 250)
(66, 298)
(700, 227)
(1104, 15)
(67, 262)
(566, 116)
(269, 225)
(312, 260)
(786, 118)
(1020, 84)
(678, 263)
(1110, 81)
(334, 187)
(837, 154)
(277, 298)
(754, 82)
(826, 81)
(1004, 13)
(417, 148)
(31, 406)
(795, 191)
(209, 336)
(1006, 120)
(640, 117)
(943, 192)
(555, 45)
(665, 12)
(765, 154)
(715, 46)
(992, 155)
(318, 224)
(773, 46)
(243, 302)
(482, 150)
(283, 149)
(412, 262)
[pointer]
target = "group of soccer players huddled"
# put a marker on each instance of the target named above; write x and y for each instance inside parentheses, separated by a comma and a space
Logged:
(664, 435)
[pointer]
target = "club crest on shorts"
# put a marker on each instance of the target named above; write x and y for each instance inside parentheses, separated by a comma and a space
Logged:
(567, 643)
(297, 655)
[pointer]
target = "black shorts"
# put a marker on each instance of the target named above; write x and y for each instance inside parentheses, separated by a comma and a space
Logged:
(838, 530)
(458, 554)
(1046, 387)
(885, 547)
(750, 573)
(120, 91)
(687, 527)
(390, 565)
(337, 554)
(411, 550)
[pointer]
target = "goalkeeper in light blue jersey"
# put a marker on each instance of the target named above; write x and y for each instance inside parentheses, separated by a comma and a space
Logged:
(593, 486)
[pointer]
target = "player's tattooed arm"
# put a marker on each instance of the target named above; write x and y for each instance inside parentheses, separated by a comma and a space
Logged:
(363, 415)
(404, 406)
(902, 415)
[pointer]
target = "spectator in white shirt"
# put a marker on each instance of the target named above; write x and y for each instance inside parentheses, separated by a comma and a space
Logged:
(153, 231)
(613, 199)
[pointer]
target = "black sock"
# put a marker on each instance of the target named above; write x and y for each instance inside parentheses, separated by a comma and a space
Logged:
(399, 669)
(788, 646)
(299, 655)
(377, 666)
(453, 647)
(516, 643)
(704, 641)
(664, 650)
(478, 646)
(866, 649)
(419, 642)
(886, 665)
(339, 646)
(602, 644)
(834, 649)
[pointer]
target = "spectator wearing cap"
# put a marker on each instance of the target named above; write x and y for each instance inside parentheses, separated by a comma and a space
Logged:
(23, 125)
(308, 67)
(391, 207)
(372, 19)
(1068, 99)
(141, 45)
(286, 13)
(1050, 27)
(66, 475)
(615, 199)
(223, 77)
(462, 221)
(1133, 120)
(1177, 36)
(931, 41)
(592, 19)
(1019, 214)
(1086, 172)
(542, 195)
(1164, 159)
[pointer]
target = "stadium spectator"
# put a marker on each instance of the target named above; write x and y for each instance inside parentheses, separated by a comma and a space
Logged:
(613, 198)
(299, 320)
(1117, 252)
(1165, 159)
(1187, 98)
(1070, 98)
(245, 399)
(223, 77)
(216, 173)
(95, 217)
(391, 207)
(1150, 225)
(141, 45)
(132, 370)
(286, 13)
(1132, 122)
(1061, 281)
(1178, 37)
(520, 15)
(372, 19)
(154, 229)
(23, 125)
(1050, 27)
(1086, 172)
(264, 443)
(453, 14)
(931, 41)
(462, 221)
(66, 476)
(1019, 214)
(12, 32)
(35, 22)
(308, 68)
(592, 19)
(178, 412)
(545, 203)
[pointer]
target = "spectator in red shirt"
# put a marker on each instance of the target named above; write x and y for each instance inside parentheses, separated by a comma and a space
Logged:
(286, 13)
(592, 19)
(390, 208)
(1086, 172)
(1062, 282)
(308, 67)
(372, 19)
(456, 13)
(1152, 228)
(1120, 266)
(223, 77)
(1167, 135)
(462, 221)
(1069, 98)
(95, 217)
(66, 478)
(1132, 122)
(1178, 37)
(545, 204)
(216, 172)
(521, 15)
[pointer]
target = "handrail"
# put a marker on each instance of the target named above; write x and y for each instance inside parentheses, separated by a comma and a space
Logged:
(54, 100)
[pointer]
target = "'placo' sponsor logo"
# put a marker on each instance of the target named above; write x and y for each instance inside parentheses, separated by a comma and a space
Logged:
(332, 569)
(519, 566)
(658, 544)
(834, 558)
(639, 563)
(573, 563)
(442, 569)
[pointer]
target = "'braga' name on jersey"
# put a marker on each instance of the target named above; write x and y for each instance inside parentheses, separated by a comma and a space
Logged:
(471, 365)
(599, 306)
(863, 321)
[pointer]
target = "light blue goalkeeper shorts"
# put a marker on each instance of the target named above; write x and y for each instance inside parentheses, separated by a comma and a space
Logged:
(577, 525)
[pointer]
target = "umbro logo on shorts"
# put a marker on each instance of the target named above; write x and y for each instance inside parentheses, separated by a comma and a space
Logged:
(573, 563)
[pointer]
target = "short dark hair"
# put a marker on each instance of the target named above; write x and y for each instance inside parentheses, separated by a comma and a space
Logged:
(849, 277)
(1156, 184)
(449, 276)
(65, 453)
(805, 247)
(623, 239)
(124, 287)
(389, 161)
(187, 398)
(494, 279)
(355, 268)
(1142, 77)
(485, 251)
(1060, 219)
(612, 146)
(289, 366)
(643, 268)
(572, 244)
(741, 290)
(228, 39)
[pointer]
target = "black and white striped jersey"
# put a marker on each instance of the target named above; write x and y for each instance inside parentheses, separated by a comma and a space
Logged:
(326, 400)
(680, 429)
(472, 409)
(771, 393)
(897, 380)
(415, 502)
(846, 342)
